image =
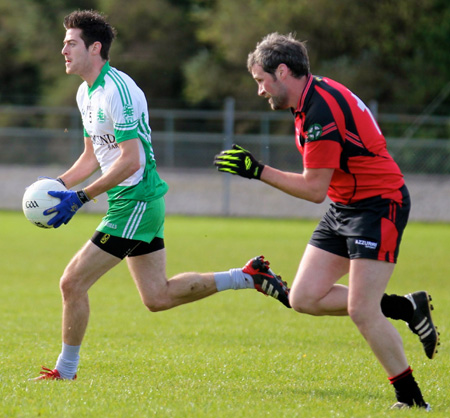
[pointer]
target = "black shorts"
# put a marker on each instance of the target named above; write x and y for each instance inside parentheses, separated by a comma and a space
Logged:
(123, 247)
(370, 228)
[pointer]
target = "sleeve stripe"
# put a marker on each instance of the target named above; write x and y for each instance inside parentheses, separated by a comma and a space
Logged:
(121, 86)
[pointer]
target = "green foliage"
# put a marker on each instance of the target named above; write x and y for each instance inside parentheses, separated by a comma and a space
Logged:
(154, 39)
(196, 50)
(19, 72)
(230, 30)
(235, 354)
(383, 50)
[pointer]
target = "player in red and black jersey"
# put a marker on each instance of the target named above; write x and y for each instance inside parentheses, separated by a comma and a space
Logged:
(335, 129)
(345, 158)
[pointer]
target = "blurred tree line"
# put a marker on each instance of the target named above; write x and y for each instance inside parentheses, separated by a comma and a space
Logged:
(193, 52)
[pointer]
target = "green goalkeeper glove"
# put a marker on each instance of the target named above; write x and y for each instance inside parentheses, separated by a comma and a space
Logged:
(239, 161)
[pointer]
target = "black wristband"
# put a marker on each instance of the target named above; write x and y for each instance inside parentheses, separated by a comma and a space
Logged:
(61, 181)
(84, 198)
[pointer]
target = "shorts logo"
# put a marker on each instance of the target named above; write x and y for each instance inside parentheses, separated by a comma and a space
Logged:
(111, 225)
(367, 244)
(314, 133)
(105, 239)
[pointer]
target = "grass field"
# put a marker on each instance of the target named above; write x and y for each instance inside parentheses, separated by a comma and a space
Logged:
(235, 354)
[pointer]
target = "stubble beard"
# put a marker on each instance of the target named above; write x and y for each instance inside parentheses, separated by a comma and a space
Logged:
(278, 103)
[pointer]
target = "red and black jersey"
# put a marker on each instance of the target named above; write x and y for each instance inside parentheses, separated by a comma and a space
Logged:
(335, 129)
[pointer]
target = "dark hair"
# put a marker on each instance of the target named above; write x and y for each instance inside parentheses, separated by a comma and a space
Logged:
(275, 49)
(94, 28)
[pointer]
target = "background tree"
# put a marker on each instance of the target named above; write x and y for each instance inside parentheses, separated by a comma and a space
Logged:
(154, 39)
(393, 52)
(194, 52)
(20, 72)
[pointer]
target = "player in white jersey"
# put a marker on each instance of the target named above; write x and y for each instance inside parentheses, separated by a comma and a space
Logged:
(114, 110)
(117, 140)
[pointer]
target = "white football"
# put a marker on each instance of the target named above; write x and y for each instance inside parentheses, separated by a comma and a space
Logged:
(36, 200)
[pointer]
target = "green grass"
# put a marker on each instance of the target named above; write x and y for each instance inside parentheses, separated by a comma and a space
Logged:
(235, 354)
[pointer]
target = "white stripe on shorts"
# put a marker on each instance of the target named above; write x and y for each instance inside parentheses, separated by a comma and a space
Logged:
(134, 220)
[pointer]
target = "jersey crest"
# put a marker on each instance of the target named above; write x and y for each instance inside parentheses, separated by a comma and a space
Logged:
(314, 132)
(128, 113)
(101, 115)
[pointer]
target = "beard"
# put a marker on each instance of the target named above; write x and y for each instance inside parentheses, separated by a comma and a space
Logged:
(279, 102)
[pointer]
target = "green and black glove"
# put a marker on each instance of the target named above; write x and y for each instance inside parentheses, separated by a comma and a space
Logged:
(239, 161)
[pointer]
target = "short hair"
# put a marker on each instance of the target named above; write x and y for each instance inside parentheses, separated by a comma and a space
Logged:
(94, 28)
(275, 49)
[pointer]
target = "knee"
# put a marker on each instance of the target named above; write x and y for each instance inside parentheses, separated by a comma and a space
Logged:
(304, 299)
(156, 304)
(72, 284)
(302, 305)
(154, 307)
(361, 316)
(297, 305)
(68, 287)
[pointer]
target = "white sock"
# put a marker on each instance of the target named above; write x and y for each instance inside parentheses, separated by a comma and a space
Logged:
(233, 279)
(67, 363)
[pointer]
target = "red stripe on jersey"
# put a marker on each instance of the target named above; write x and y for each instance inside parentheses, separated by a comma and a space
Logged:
(329, 128)
(301, 102)
(336, 110)
(354, 138)
(354, 141)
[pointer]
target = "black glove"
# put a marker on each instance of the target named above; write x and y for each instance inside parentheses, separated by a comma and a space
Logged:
(239, 161)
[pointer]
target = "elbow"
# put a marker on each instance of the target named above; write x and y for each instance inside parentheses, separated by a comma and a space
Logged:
(318, 197)
(318, 201)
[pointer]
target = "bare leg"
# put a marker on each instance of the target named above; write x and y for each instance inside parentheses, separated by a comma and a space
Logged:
(86, 267)
(368, 281)
(314, 290)
(158, 293)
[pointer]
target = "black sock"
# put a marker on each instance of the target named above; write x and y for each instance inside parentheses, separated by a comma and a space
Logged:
(397, 307)
(406, 389)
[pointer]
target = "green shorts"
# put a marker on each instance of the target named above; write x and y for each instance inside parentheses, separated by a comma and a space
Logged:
(135, 220)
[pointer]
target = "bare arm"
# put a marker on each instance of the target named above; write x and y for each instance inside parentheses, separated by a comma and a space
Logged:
(311, 185)
(84, 167)
(87, 164)
(126, 165)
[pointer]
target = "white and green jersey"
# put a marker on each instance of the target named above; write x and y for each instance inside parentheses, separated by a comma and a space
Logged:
(113, 110)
